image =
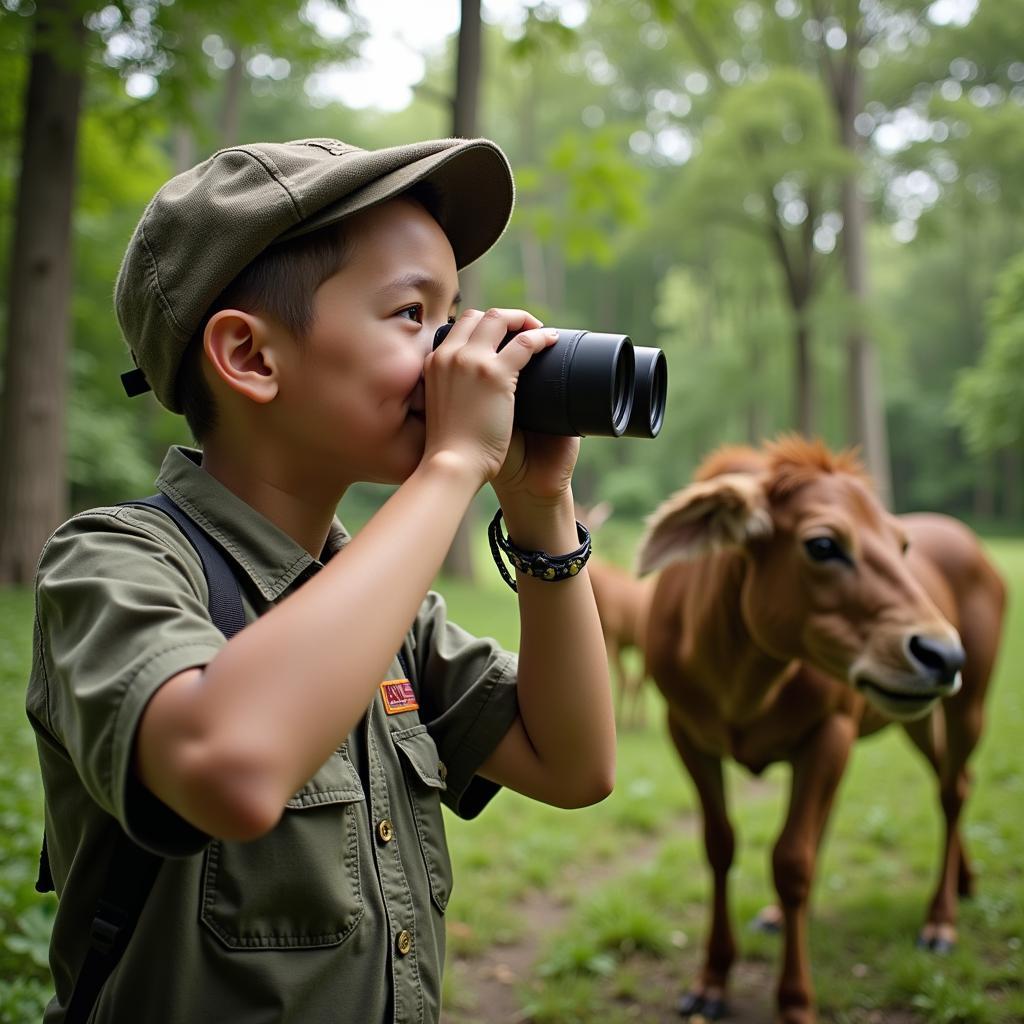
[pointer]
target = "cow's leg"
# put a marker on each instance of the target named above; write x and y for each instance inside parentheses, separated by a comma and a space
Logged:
(639, 698)
(963, 729)
(817, 768)
(614, 650)
(635, 682)
(947, 738)
(929, 736)
(707, 997)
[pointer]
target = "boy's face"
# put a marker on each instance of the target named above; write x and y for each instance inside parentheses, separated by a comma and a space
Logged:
(351, 397)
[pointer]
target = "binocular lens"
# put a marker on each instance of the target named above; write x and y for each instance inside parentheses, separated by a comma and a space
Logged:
(583, 384)
(649, 393)
(588, 383)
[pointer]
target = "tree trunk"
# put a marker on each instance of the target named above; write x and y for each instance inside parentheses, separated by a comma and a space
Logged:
(755, 370)
(183, 147)
(231, 109)
(33, 477)
(984, 499)
(535, 280)
(865, 409)
(459, 560)
(531, 248)
(803, 404)
(467, 71)
(1013, 492)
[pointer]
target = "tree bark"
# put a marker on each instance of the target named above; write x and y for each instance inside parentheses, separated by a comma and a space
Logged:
(231, 108)
(803, 405)
(183, 147)
(755, 368)
(984, 498)
(865, 409)
(1013, 491)
(467, 71)
(33, 477)
(459, 560)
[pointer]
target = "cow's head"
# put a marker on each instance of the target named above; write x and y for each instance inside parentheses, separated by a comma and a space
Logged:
(827, 581)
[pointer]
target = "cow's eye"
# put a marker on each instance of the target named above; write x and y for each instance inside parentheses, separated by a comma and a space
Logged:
(825, 549)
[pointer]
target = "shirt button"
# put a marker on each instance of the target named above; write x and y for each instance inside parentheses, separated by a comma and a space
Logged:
(403, 943)
(385, 830)
(442, 770)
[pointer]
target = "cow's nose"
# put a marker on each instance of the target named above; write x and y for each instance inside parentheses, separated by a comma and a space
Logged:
(941, 659)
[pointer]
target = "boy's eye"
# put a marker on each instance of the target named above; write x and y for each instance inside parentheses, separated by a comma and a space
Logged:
(414, 312)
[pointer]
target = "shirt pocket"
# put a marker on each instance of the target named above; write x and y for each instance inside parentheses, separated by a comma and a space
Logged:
(298, 886)
(425, 780)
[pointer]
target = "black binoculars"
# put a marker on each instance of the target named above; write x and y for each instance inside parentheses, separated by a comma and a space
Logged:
(589, 384)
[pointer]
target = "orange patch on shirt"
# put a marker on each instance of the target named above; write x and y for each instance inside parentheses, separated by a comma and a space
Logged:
(398, 696)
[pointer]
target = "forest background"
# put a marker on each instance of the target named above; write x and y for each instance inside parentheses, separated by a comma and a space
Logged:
(813, 206)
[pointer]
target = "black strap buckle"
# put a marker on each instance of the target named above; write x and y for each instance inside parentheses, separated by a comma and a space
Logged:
(134, 382)
(106, 929)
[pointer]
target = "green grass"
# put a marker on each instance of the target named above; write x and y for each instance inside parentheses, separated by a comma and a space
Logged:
(25, 916)
(632, 871)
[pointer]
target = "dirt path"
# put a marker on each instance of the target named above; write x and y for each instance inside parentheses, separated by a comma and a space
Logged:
(491, 983)
(493, 979)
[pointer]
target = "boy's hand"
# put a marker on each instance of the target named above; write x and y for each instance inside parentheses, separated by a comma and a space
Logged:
(470, 387)
(537, 469)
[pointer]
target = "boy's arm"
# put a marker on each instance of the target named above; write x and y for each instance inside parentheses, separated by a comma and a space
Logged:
(561, 748)
(227, 746)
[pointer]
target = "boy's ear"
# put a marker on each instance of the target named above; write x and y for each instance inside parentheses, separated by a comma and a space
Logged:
(243, 352)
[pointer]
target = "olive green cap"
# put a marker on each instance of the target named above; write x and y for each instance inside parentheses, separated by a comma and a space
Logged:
(206, 225)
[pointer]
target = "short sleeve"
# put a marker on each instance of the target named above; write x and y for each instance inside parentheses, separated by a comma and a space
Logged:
(121, 607)
(467, 693)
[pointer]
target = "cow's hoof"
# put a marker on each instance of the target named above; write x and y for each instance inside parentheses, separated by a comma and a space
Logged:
(939, 940)
(698, 1008)
(768, 921)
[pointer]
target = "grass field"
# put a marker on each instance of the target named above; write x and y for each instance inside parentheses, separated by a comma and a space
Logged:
(607, 903)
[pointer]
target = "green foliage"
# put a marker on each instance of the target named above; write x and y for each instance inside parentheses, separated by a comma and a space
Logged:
(584, 196)
(658, 148)
(989, 398)
(764, 132)
(25, 916)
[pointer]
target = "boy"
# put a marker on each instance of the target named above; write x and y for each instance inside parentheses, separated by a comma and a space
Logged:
(284, 296)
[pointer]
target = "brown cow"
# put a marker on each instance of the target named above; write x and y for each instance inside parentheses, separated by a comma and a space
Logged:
(622, 602)
(805, 617)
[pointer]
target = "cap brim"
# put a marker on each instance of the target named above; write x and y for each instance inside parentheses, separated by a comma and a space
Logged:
(475, 192)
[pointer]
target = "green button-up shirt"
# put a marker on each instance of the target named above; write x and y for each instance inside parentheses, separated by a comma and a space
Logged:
(337, 914)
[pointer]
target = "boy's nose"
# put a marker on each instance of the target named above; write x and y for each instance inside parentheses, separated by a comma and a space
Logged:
(425, 340)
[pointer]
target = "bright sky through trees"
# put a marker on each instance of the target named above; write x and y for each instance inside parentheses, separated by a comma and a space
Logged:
(400, 34)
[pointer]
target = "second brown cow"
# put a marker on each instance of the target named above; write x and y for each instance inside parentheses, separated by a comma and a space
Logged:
(793, 615)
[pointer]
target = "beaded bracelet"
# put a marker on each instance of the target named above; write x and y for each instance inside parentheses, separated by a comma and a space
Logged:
(539, 564)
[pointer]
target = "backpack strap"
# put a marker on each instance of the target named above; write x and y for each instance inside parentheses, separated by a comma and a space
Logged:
(225, 601)
(132, 870)
(130, 876)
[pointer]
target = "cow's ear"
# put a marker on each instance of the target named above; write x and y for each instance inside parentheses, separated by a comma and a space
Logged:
(726, 510)
(593, 517)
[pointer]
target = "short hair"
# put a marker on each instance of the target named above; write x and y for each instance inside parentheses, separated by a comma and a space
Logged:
(280, 282)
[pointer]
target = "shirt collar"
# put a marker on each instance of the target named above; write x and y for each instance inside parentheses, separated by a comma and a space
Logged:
(264, 552)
